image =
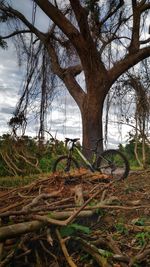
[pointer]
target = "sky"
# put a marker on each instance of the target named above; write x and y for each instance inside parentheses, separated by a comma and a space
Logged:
(10, 80)
(64, 118)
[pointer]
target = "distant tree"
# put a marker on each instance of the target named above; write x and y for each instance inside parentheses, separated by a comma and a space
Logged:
(131, 96)
(100, 40)
(142, 115)
(129, 150)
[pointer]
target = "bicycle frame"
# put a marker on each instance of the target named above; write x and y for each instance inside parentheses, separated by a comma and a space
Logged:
(85, 160)
(88, 164)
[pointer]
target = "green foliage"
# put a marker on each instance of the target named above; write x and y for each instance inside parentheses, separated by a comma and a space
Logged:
(120, 228)
(46, 164)
(105, 253)
(84, 257)
(140, 221)
(25, 155)
(142, 238)
(9, 181)
(73, 228)
(128, 150)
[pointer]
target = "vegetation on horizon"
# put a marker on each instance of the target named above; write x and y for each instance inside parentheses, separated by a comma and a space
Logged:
(25, 155)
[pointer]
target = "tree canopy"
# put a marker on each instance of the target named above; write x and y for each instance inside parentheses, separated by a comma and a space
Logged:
(99, 40)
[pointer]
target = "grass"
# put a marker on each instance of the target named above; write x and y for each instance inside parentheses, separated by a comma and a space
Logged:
(17, 181)
(136, 168)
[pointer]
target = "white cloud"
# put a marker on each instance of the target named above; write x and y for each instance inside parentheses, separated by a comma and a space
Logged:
(65, 119)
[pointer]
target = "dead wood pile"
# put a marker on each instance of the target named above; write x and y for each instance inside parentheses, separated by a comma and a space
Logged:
(72, 220)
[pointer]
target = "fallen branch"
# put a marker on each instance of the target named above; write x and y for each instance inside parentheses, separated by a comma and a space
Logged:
(65, 251)
(137, 228)
(7, 259)
(96, 253)
(11, 231)
(38, 198)
(56, 218)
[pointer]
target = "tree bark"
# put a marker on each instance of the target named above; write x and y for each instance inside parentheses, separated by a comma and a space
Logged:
(92, 126)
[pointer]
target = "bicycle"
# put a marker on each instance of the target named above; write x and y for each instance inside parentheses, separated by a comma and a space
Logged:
(110, 162)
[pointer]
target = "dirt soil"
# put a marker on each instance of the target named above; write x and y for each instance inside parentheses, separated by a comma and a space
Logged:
(121, 226)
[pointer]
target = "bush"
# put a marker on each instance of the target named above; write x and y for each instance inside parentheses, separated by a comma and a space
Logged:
(25, 155)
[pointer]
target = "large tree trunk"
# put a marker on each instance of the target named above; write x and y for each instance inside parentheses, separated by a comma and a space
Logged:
(92, 126)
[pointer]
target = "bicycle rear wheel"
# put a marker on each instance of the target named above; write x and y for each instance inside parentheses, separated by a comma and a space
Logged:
(112, 162)
(65, 164)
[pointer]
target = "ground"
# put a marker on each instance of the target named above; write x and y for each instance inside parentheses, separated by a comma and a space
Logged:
(112, 227)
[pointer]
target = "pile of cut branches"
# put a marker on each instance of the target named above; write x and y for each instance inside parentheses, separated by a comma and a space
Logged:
(71, 220)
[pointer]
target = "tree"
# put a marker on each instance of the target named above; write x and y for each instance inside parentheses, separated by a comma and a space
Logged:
(141, 116)
(128, 102)
(140, 84)
(93, 31)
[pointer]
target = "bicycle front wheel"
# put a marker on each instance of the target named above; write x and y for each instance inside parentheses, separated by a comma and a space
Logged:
(65, 164)
(112, 162)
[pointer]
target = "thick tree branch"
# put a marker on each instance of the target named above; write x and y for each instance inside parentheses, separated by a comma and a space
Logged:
(74, 70)
(81, 16)
(144, 7)
(75, 90)
(138, 9)
(62, 22)
(80, 44)
(129, 61)
(134, 45)
(67, 75)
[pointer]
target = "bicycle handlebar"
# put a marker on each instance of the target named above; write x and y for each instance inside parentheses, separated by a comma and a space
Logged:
(77, 139)
(72, 140)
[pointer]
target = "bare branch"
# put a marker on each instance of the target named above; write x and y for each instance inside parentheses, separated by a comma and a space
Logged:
(112, 12)
(15, 33)
(67, 75)
(20, 16)
(145, 41)
(65, 251)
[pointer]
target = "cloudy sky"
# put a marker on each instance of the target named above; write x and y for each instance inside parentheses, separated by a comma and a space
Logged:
(64, 118)
(10, 80)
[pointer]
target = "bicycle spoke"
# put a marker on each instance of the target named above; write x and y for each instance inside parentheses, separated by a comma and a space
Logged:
(113, 163)
(63, 164)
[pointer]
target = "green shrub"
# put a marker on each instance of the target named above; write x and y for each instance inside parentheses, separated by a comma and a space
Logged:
(26, 155)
